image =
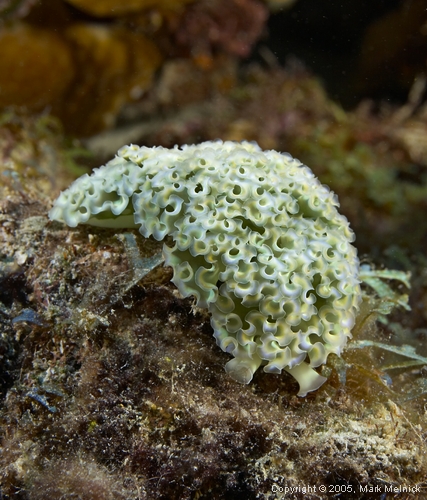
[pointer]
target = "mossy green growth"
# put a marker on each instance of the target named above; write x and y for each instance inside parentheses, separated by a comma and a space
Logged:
(257, 240)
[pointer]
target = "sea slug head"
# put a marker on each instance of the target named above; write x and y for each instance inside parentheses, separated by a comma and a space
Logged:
(257, 240)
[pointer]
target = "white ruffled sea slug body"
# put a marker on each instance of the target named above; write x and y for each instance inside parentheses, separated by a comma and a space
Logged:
(257, 240)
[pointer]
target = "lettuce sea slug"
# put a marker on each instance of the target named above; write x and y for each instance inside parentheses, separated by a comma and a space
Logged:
(257, 240)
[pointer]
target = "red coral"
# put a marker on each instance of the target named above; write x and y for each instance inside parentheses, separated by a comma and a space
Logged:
(14, 9)
(232, 25)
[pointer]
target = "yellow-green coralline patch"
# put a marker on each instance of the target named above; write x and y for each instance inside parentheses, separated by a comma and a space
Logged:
(257, 240)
